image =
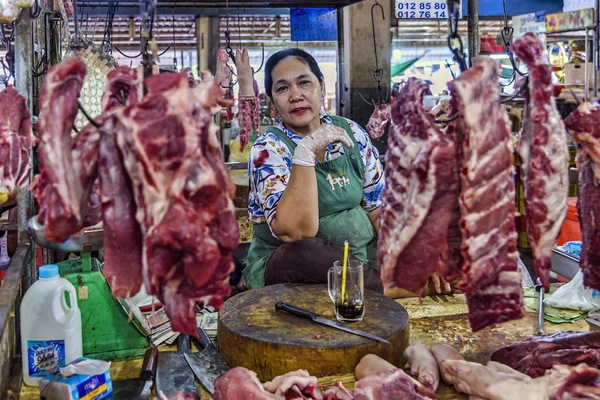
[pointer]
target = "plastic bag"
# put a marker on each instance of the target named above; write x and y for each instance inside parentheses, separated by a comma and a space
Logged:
(526, 280)
(574, 296)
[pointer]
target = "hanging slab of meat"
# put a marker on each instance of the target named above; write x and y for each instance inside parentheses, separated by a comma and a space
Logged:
(249, 116)
(584, 126)
(421, 190)
(224, 77)
(390, 385)
(122, 232)
(183, 195)
(63, 194)
(123, 87)
(380, 118)
(491, 278)
(535, 356)
(84, 155)
(544, 156)
(16, 140)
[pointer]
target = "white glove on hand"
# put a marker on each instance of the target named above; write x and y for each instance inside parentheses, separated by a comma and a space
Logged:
(244, 74)
(319, 140)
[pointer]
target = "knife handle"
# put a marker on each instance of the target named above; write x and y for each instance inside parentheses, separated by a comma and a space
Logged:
(301, 312)
(203, 340)
(183, 343)
(149, 364)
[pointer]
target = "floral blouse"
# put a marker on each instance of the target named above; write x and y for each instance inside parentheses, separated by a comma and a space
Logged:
(270, 166)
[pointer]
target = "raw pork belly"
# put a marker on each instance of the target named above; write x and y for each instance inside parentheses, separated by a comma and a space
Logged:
(544, 155)
(182, 192)
(491, 278)
(535, 356)
(584, 126)
(16, 139)
(421, 190)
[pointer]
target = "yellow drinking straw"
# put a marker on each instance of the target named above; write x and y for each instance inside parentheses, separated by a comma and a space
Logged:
(345, 265)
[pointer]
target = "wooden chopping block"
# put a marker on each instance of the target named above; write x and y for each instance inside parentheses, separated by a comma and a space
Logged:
(252, 334)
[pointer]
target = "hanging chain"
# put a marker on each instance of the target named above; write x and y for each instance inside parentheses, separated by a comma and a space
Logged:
(455, 43)
(507, 36)
(228, 48)
(378, 72)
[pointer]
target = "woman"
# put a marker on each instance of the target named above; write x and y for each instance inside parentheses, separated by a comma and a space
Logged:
(315, 181)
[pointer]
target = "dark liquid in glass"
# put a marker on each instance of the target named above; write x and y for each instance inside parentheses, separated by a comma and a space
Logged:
(351, 310)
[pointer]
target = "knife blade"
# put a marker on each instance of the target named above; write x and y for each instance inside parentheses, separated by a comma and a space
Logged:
(138, 388)
(301, 312)
(207, 364)
(173, 373)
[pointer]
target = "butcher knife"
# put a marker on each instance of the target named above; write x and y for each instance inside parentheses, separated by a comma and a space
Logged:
(207, 364)
(324, 321)
(173, 372)
(540, 322)
(141, 387)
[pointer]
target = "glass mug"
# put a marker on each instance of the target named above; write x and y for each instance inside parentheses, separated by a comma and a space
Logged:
(352, 308)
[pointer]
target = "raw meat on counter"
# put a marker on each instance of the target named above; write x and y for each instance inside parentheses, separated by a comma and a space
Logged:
(381, 117)
(490, 275)
(544, 156)
(16, 140)
(390, 385)
(423, 365)
(421, 192)
(499, 382)
(584, 126)
(183, 195)
(535, 356)
(179, 395)
(240, 383)
(443, 352)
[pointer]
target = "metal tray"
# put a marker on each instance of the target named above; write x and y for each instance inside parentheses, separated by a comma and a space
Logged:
(92, 238)
(564, 264)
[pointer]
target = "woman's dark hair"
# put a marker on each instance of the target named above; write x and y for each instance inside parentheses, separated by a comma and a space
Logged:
(292, 52)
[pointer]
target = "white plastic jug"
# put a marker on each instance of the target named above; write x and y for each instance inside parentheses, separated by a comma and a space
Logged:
(50, 329)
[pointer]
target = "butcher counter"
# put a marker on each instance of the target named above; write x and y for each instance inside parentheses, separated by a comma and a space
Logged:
(436, 319)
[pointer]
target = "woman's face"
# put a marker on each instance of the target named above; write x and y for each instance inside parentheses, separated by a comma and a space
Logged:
(297, 95)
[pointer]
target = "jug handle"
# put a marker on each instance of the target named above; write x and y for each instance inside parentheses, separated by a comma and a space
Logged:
(58, 297)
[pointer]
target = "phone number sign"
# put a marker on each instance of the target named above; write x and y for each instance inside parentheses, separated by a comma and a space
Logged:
(423, 9)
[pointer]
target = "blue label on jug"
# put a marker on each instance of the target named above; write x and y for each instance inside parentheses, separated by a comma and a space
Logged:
(45, 356)
(595, 293)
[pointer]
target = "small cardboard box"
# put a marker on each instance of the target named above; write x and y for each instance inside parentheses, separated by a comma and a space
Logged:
(575, 74)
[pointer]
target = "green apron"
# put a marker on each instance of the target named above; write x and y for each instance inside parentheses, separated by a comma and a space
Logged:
(341, 217)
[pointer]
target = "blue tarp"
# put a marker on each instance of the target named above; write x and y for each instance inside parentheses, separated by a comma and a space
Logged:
(493, 8)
